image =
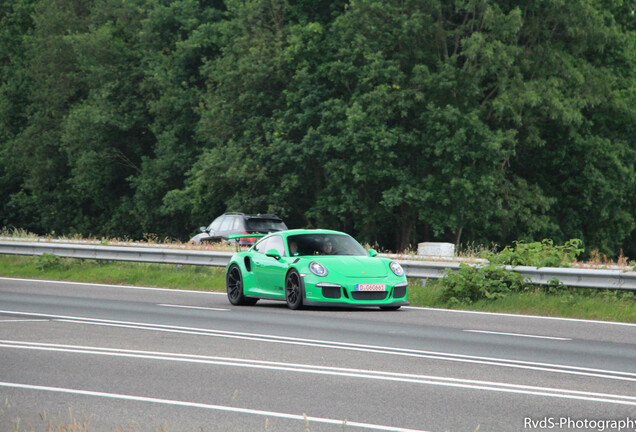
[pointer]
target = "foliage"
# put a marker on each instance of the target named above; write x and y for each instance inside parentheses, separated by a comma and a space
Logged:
(537, 254)
(397, 121)
(48, 262)
(471, 283)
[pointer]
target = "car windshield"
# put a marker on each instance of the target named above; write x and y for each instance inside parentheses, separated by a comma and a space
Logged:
(324, 244)
(265, 225)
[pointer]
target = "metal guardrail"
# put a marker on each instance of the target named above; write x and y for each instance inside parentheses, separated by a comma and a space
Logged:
(574, 277)
(587, 278)
(118, 253)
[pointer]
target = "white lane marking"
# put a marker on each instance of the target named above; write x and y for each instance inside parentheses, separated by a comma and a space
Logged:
(23, 320)
(499, 314)
(520, 364)
(132, 287)
(332, 371)
(518, 335)
(193, 307)
(209, 407)
(422, 309)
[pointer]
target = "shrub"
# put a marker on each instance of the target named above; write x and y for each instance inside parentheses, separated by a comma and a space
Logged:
(537, 254)
(470, 284)
(48, 262)
(491, 282)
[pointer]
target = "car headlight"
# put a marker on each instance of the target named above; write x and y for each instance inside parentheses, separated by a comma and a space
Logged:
(317, 269)
(396, 268)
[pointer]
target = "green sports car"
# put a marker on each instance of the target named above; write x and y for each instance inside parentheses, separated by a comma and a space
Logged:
(314, 267)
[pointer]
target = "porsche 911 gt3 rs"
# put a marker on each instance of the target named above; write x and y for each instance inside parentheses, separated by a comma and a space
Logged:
(315, 267)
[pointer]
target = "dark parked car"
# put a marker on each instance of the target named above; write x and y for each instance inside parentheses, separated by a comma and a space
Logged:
(238, 223)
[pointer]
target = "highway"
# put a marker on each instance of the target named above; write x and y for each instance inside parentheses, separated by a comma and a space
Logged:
(139, 359)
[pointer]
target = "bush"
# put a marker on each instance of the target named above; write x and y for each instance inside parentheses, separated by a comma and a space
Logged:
(491, 282)
(537, 254)
(470, 284)
(48, 262)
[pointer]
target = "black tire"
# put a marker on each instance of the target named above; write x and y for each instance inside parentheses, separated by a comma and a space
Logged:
(390, 308)
(234, 285)
(294, 290)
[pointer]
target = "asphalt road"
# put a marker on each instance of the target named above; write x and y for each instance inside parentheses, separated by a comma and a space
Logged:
(135, 359)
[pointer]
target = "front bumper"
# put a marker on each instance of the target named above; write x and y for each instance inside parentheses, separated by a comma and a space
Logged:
(345, 294)
(339, 304)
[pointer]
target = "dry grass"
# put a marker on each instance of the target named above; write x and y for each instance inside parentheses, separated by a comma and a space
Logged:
(598, 260)
(150, 240)
(469, 253)
(70, 423)
(51, 423)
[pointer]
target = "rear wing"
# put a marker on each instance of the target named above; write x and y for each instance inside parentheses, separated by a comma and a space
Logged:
(244, 236)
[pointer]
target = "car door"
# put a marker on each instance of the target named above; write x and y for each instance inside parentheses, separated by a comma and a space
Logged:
(236, 226)
(270, 272)
(214, 228)
(224, 230)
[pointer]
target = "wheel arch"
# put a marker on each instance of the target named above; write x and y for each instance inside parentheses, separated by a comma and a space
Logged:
(247, 275)
(301, 280)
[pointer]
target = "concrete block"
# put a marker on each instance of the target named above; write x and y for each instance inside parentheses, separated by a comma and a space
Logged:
(436, 249)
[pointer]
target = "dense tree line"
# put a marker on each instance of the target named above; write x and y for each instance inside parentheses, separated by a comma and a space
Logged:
(396, 120)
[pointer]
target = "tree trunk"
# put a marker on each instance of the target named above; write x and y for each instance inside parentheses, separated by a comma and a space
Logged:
(458, 237)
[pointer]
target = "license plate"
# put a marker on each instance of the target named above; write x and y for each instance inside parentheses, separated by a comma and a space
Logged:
(370, 287)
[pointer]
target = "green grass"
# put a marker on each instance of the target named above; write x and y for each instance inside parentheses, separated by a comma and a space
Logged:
(591, 304)
(605, 305)
(50, 267)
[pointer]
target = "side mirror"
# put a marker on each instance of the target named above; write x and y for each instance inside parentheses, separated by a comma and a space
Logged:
(373, 253)
(273, 253)
(202, 229)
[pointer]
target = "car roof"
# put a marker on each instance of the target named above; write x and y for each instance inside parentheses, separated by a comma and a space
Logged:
(308, 231)
(256, 216)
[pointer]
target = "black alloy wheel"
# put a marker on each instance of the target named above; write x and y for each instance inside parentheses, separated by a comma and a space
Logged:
(234, 284)
(293, 290)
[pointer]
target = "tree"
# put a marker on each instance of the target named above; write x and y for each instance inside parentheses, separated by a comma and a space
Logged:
(16, 24)
(397, 121)
(569, 100)
(177, 40)
(245, 88)
(53, 84)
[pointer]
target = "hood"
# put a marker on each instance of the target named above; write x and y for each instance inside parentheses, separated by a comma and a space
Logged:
(354, 266)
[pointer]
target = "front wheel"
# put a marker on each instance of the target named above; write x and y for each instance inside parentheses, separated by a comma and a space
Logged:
(293, 290)
(234, 285)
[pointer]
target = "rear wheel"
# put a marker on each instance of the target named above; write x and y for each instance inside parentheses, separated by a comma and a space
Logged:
(293, 290)
(234, 285)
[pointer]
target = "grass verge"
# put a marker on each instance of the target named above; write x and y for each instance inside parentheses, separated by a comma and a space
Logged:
(604, 305)
(51, 267)
(564, 302)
